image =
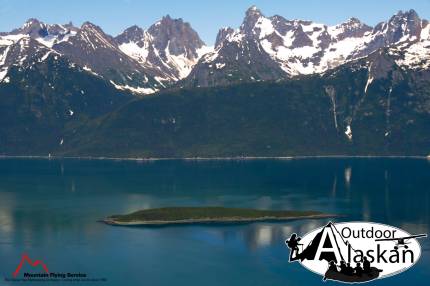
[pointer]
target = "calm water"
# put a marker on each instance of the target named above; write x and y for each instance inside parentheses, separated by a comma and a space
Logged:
(49, 209)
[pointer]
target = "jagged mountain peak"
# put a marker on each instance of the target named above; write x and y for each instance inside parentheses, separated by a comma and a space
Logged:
(253, 11)
(33, 28)
(252, 16)
(98, 53)
(87, 25)
(223, 33)
(131, 34)
(94, 37)
(46, 34)
(168, 20)
(403, 26)
(175, 35)
(170, 47)
(30, 22)
(409, 18)
(351, 28)
(355, 23)
(408, 14)
(36, 28)
(134, 29)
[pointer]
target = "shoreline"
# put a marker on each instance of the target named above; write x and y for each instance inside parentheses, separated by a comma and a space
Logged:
(233, 158)
(232, 220)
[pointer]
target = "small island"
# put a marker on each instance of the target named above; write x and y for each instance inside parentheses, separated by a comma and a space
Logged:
(188, 215)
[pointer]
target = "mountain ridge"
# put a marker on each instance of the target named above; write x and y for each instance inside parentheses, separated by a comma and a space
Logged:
(272, 87)
(295, 47)
(171, 53)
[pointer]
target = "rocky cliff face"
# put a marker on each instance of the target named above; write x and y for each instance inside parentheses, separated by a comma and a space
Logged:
(170, 46)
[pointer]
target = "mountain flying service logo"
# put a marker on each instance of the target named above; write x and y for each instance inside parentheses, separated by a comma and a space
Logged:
(35, 263)
(355, 252)
(35, 270)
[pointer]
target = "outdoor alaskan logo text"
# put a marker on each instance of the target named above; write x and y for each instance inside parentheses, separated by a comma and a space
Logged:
(355, 252)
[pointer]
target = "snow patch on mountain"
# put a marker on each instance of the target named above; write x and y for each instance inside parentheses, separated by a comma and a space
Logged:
(181, 64)
(51, 40)
(137, 90)
(3, 73)
(133, 50)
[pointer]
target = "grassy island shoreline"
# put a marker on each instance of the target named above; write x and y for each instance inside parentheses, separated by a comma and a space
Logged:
(192, 215)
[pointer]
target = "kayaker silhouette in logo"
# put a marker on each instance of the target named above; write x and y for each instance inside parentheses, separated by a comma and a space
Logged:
(345, 273)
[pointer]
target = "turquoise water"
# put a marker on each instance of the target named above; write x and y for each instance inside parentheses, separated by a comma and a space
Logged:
(49, 210)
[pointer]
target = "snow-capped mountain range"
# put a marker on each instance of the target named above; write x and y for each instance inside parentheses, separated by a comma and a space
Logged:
(136, 60)
(270, 48)
(170, 52)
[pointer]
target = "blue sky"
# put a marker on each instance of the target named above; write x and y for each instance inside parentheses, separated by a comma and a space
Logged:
(206, 17)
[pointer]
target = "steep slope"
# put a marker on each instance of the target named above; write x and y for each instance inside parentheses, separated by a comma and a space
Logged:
(238, 56)
(380, 106)
(367, 107)
(38, 101)
(170, 47)
(98, 52)
(87, 46)
(20, 51)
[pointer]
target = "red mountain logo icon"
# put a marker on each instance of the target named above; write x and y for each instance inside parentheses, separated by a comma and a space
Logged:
(27, 259)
